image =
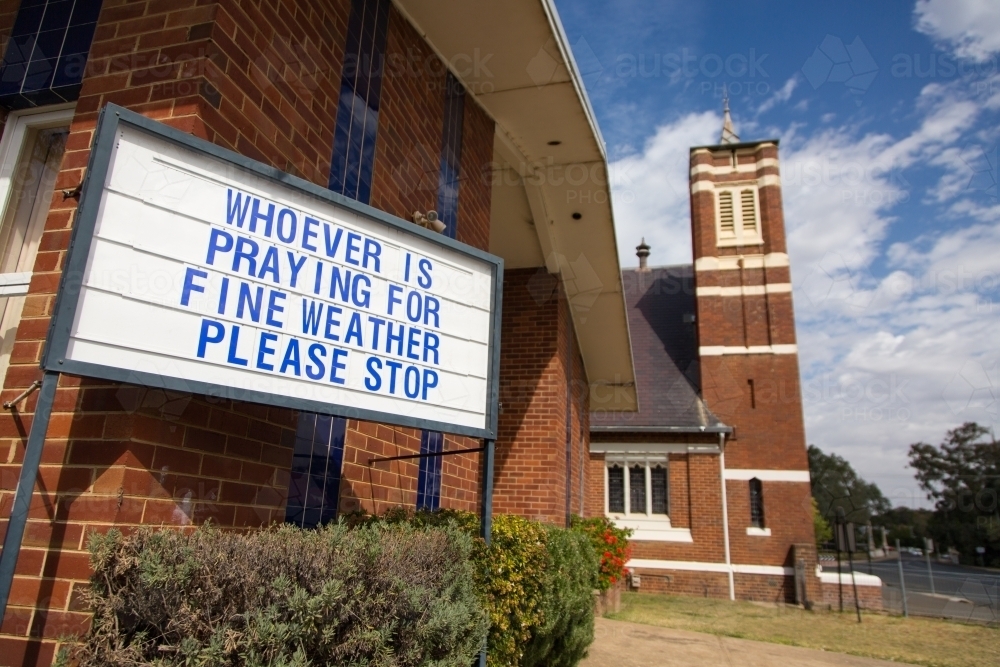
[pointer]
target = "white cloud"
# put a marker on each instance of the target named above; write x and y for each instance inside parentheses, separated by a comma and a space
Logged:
(886, 361)
(651, 191)
(780, 96)
(971, 28)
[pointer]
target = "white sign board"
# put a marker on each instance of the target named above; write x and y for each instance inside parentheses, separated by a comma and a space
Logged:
(214, 273)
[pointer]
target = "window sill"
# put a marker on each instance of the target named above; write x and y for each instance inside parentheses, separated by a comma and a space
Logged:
(759, 532)
(646, 529)
(732, 243)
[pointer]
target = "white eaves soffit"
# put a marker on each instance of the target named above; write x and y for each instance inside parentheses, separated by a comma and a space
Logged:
(514, 59)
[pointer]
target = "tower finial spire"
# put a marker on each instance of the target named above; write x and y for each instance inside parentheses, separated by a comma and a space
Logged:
(729, 135)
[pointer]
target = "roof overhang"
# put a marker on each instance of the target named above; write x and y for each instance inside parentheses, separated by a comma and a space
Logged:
(552, 199)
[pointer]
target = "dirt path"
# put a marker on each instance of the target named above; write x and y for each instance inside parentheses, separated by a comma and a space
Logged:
(623, 644)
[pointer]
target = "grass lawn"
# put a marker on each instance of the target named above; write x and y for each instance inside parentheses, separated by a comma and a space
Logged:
(920, 641)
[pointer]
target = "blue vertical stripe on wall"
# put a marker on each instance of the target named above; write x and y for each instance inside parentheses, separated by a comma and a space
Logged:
(429, 477)
(451, 154)
(314, 485)
(360, 94)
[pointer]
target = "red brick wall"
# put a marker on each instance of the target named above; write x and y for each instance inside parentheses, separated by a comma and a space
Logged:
(542, 387)
(407, 161)
(263, 79)
(769, 427)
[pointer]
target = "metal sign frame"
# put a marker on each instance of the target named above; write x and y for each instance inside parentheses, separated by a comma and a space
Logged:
(54, 358)
(54, 362)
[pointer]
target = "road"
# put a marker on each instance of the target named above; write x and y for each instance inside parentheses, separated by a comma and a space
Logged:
(960, 592)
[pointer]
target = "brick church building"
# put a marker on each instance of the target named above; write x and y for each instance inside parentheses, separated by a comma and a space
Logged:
(472, 109)
(711, 472)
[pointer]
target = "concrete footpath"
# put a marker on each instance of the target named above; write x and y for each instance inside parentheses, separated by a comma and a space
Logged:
(623, 644)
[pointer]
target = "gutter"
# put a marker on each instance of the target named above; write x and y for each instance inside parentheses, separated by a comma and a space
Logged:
(722, 430)
(567, 53)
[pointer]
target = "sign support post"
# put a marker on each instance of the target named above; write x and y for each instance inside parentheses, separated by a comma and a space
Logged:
(486, 511)
(25, 487)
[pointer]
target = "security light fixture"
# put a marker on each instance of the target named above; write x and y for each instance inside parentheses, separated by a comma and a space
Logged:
(429, 221)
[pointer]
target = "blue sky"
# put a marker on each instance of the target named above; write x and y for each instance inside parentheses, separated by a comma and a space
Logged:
(888, 115)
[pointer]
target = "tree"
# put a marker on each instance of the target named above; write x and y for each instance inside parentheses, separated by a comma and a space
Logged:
(962, 476)
(821, 527)
(836, 484)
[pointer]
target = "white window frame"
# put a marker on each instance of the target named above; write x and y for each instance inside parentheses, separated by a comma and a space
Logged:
(17, 130)
(741, 238)
(648, 462)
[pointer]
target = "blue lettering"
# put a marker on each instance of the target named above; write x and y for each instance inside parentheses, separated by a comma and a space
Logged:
(430, 381)
(249, 255)
(424, 279)
(372, 251)
(223, 295)
(393, 290)
(412, 341)
(365, 299)
(308, 233)
(431, 345)
(256, 215)
(344, 285)
(352, 247)
(331, 247)
(263, 350)
(354, 330)
(291, 358)
(214, 245)
(296, 266)
(389, 338)
(377, 323)
(411, 298)
(310, 318)
(247, 300)
(406, 274)
(282, 215)
(204, 338)
(189, 286)
(319, 370)
(319, 276)
(431, 307)
(234, 342)
(374, 381)
(270, 265)
(416, 382)
(233, 210)
(330, 322)
(335, 365)
(273, 308)
(395, 366)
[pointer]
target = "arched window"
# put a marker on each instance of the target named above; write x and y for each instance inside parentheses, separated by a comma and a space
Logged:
(756, 503)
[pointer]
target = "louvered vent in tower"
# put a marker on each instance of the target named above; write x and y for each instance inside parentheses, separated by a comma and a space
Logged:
(749, 211)
(727, 223)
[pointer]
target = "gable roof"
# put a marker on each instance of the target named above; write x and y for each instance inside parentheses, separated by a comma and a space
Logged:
(661, 307)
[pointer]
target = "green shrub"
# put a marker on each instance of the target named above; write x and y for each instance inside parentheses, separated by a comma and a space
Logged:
(611, 545)
(375, 595)
(567, 628)
(535, 581)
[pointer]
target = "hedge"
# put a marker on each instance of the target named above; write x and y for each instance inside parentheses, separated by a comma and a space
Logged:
(400, 589)
(284, 597)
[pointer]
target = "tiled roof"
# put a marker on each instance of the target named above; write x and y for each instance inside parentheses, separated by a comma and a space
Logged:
(661, 308)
